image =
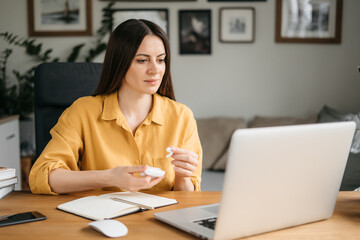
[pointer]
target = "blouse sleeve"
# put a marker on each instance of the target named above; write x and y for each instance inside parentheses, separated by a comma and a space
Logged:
(62, 151)
(192, 143)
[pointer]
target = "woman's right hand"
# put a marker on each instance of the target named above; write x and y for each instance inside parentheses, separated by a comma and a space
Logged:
(123, 177)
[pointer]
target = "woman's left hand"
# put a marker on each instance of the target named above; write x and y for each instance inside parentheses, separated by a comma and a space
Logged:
(185, 162)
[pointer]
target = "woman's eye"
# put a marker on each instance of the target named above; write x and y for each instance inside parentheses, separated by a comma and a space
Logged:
(161, 60)
(141, 60)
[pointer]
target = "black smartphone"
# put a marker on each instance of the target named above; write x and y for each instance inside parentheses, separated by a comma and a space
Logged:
(21, 218)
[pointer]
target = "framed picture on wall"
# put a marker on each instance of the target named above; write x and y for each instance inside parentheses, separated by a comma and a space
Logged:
(149, 0)
(158, 16)
(59, 18)
(195, 31)
(237, 0)
(237, 25)
(308, 21)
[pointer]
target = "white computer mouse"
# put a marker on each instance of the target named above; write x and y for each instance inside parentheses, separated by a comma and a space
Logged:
(110, 227)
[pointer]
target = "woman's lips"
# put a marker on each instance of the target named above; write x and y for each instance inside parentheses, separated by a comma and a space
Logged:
(152, 81)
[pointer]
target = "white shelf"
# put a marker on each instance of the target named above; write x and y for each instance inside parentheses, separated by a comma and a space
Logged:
(10, 145)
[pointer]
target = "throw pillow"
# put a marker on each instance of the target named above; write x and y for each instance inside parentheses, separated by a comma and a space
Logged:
(220, 164)
(215, 134)
(328, 114)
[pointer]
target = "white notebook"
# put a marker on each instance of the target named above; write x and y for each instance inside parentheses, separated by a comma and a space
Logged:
(6, 173)
(110, 206)
(6, 190)
(8, 182)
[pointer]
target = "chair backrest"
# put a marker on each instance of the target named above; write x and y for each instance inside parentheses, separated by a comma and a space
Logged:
(57, 86)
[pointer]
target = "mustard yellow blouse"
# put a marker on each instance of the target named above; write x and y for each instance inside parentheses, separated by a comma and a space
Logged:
(93, 134)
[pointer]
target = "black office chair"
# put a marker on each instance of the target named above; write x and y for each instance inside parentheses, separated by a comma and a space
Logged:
(57, 86)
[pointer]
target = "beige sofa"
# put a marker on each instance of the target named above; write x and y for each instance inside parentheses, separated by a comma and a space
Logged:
(215, 134)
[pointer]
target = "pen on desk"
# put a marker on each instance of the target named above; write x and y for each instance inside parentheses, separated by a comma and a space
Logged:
(132, 203)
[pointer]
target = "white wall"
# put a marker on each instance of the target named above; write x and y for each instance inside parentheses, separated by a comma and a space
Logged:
(260, 78)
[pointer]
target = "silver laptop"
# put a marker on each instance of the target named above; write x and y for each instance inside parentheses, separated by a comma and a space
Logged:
(275, 178)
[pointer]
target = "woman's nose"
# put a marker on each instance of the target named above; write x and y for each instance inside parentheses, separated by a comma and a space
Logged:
(154, 67)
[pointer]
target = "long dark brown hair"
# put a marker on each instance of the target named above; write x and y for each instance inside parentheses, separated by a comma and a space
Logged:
(120, 52)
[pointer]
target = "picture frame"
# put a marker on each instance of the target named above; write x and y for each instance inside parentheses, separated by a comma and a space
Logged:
(160, 16)
(237, 0)
(59, 18)
(149, 0)
(315, 22)
(195, 31)
(237, 25)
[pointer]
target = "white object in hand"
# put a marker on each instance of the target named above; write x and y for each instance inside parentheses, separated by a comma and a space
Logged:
(153, 172)
(110, 227)
(168, 149)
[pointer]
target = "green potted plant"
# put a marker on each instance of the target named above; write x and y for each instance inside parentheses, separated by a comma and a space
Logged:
(6, 94)
(17, 98)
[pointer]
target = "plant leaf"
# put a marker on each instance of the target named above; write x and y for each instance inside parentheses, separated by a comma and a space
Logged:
(75, 53)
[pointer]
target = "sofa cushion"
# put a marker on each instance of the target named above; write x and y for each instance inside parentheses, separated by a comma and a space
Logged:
(260, 121)
(351, 178)
(328, 114)
(215, 134)
(220, 164)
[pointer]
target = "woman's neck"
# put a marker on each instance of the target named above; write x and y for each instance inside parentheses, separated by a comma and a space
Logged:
(135, 107)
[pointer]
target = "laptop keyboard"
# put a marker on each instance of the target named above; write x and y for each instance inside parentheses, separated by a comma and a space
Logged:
(209, 222)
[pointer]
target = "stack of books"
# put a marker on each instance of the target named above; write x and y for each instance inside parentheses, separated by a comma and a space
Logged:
(8, 180)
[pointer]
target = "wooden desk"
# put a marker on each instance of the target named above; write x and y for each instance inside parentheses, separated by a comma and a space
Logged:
(344, 224)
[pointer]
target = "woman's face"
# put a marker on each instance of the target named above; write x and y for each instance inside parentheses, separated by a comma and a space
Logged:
(147, 68)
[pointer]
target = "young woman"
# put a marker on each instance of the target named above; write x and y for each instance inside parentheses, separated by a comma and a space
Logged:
(108, 139)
